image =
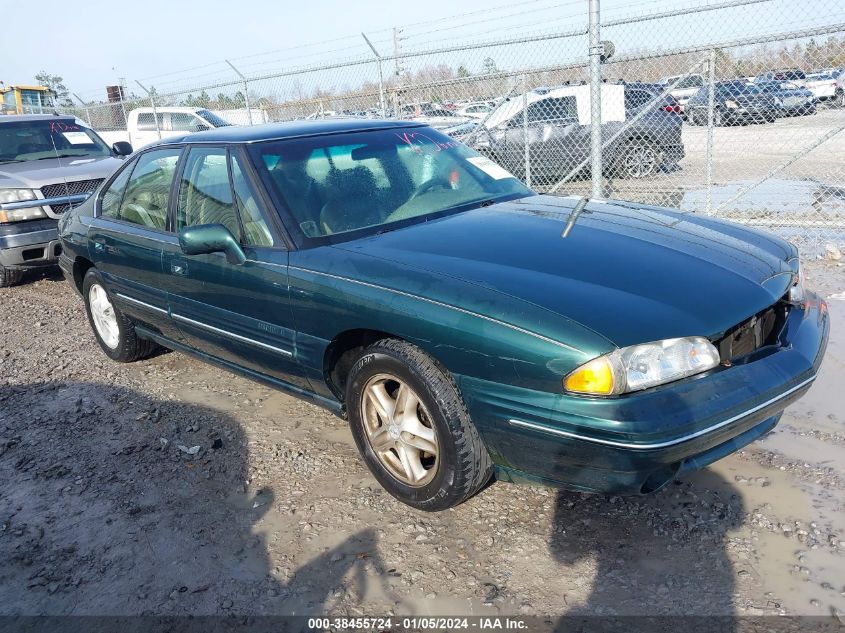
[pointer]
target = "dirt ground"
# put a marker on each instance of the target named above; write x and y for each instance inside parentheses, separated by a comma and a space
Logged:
(105, 510)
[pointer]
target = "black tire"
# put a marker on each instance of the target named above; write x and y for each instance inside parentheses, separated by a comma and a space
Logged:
(130, 347)
(840, 98)
(718, 118)
(10, 276)
(464, 465)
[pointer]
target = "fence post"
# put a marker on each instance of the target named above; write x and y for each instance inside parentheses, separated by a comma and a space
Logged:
(153, 104)
(595, 52)
(380, 75)
(525, 130)
(711, 104)
(87, 111)
(246, 89)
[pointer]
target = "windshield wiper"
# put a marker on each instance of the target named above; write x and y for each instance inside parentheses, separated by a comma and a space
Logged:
(58, 156)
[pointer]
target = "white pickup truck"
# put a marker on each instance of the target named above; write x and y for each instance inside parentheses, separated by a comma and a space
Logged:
(141, 128)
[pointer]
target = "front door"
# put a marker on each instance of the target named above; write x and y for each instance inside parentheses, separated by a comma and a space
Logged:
(129, 233)
(239, 313)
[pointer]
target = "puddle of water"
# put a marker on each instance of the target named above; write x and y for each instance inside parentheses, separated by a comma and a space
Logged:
(783, 565)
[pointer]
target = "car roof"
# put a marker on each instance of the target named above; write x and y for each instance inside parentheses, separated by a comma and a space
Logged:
(289, 129)
(35, 117)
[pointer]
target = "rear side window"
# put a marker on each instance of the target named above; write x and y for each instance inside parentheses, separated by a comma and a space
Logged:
(635, 99)
(148, 190)
(110, 203)
(553, 109)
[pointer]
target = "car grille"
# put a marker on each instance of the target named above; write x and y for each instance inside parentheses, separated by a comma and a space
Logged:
(70, 188)
(759, 331)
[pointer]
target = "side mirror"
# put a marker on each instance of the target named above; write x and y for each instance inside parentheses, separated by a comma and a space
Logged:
(122, 148)
(211, 238)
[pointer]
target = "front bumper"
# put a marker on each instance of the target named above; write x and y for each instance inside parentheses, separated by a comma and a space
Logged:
(638, 442)
(29, 244)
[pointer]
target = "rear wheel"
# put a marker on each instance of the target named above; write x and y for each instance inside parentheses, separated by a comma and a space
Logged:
(10, 276)
(840, 98)
(412, 427)
(114, 331)
(718, 118)
(639, 159)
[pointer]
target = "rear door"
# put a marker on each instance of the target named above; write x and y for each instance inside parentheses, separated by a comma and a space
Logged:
(127, 237)
(237, 313)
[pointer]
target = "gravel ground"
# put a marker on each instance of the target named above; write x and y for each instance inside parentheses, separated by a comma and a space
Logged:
(171, 487)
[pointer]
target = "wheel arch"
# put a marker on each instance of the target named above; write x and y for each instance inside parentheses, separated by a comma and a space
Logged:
(81, 266)
(341, 353)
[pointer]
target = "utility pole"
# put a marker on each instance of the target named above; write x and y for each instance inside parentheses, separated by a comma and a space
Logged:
(596, 51)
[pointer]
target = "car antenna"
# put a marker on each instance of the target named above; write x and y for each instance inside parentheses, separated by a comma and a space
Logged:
(573, 216)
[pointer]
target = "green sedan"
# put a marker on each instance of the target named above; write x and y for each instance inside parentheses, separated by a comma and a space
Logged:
(466, 327)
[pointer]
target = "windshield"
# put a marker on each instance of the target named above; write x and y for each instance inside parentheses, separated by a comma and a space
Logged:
(366, 182)
(22, 141)
(212, 118)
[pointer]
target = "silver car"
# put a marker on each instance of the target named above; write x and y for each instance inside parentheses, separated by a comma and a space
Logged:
(47, 164)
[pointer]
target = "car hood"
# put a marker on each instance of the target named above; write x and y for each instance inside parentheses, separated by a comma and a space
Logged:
(629, 272)
(34, 174)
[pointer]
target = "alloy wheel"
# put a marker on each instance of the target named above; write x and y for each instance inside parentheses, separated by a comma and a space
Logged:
(102, 313)
(640, 161)
(399, 430)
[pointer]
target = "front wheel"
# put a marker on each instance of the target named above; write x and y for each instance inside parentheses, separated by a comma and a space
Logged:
(10, 276)
(412, 427)
(114, 331)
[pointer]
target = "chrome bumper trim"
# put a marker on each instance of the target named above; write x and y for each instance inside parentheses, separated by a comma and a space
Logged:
(654, 445)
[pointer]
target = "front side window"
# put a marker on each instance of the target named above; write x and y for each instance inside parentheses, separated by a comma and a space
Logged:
(148, 190)
(147, 123)
(256, 230)
(185, 122)
(340, 186)
(205, 196)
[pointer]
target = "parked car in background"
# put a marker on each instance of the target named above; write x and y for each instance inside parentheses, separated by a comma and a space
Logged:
(432, 114)
(684, 89)
(47, 164)
(143, 126)
(794, 75)
(822, 85)
(839, 95)
(397, 278)
(476, 109)
(556, 126)
(790, 99)
(735, 101)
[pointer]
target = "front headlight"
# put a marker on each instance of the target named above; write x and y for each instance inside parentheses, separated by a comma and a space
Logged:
(730, 103)
(796, 290)
(16, 195)
(642, 366)
(19, 215)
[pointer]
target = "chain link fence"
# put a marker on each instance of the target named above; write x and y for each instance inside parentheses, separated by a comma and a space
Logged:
(731, 108)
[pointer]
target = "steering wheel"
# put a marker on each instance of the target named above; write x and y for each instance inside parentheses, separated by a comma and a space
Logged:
(142, 213)
(431, 183)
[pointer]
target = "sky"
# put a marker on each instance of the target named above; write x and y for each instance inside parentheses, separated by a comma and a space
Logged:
(170, 43)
